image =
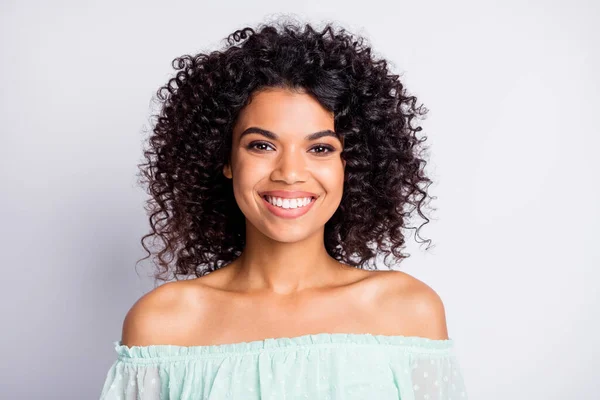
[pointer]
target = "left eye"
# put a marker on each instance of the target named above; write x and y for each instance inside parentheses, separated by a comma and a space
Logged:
(328, 148)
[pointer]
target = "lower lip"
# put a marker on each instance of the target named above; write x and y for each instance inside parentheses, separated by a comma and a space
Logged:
(288, 212)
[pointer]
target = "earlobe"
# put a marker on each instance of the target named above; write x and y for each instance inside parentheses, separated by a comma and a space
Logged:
(227, 171)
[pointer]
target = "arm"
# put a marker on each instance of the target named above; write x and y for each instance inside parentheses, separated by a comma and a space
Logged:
(144, 325)
(434, 376)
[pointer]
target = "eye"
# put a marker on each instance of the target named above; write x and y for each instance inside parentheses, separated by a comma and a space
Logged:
(325, 149)
(254, 144)
(323, 146)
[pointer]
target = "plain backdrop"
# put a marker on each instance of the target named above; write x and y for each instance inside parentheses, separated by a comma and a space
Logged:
(513, 93)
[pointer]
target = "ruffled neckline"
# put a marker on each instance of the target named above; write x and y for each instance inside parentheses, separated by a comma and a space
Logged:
(170, 351)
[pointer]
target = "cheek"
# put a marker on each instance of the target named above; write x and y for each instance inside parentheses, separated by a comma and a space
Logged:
(247, 174)
(331, 177)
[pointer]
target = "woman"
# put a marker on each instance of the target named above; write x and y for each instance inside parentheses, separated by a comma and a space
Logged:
(279, 168)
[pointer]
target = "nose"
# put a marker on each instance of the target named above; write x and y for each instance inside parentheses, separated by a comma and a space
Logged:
(290, 167)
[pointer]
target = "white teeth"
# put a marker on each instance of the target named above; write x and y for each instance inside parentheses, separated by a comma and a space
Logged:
(289, 203)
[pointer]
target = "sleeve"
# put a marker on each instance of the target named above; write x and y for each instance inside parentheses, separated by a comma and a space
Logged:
(129, 381)
(436, 377)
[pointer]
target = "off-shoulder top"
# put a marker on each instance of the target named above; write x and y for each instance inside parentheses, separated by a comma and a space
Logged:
(327, 366)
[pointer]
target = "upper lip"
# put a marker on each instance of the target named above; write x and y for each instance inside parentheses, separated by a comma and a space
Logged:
(287, 194)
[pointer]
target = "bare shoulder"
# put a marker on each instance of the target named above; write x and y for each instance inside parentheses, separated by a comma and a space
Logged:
(155, 317)
(411, 306)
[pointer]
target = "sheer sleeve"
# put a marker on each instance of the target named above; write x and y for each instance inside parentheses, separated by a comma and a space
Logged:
(127, 381)
(437, 377)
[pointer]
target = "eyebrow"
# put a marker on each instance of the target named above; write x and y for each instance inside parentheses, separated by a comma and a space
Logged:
(273, 136)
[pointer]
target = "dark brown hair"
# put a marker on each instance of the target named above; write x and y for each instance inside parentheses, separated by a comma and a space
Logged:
(192, 209)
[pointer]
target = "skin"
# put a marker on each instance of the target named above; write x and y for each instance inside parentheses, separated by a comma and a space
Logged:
(288, 163)
(284, 284)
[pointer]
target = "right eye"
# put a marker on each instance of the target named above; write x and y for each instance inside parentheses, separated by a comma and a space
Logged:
(253, 145)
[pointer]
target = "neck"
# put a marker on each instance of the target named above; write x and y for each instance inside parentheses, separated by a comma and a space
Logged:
(283, 268)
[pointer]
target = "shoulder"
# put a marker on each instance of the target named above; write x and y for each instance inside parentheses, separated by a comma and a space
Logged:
(411, 307)
(155, 316)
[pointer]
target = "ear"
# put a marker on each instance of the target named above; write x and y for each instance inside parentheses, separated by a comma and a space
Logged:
(227, 171)
(343, 144)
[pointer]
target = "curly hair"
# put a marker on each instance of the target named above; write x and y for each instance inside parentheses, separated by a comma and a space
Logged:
(192, 208)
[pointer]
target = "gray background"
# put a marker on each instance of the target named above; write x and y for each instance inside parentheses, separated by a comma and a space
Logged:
(513, 90)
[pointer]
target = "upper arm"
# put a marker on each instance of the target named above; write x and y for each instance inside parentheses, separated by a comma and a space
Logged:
(413, 308)
(147, 322)
(428, 313)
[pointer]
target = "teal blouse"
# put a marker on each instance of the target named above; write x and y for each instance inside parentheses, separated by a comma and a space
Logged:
(327, 366)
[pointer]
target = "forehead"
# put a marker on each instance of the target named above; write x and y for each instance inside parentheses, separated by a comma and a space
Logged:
(285, 111)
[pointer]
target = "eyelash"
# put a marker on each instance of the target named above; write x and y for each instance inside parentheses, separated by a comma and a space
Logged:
(330, 149)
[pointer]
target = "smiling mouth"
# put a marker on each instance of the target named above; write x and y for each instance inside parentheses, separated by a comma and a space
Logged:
(288, 204)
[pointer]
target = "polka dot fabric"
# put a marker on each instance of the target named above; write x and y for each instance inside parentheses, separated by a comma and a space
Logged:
(327, 366)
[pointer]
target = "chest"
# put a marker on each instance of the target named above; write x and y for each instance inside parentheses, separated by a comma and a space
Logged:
(262, 320)
(256, 318)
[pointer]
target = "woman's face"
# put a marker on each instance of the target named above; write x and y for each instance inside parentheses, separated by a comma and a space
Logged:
(278, 156)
